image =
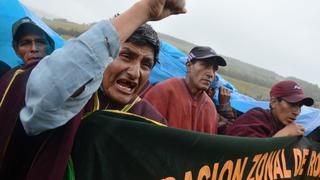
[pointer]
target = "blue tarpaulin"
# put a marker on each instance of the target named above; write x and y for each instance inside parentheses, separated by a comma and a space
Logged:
(172, 63)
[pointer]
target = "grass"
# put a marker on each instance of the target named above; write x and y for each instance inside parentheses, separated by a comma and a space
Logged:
(249, 89)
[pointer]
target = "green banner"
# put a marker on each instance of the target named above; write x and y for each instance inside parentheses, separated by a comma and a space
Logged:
(111, 145)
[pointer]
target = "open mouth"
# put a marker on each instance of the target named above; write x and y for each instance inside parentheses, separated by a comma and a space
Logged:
(126, 86)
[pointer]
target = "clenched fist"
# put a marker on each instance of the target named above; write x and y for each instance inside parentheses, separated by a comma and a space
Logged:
(159, 9)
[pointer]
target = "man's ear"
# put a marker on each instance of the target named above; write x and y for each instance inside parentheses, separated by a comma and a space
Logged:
(188, 64)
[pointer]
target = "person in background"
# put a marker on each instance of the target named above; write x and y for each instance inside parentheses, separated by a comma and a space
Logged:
(183, 101)
(286, 100)
(30, 42)
(226, 115)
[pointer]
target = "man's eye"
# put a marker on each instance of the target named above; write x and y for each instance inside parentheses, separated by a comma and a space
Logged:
(147, 65)
(22, 43)
(125, 56)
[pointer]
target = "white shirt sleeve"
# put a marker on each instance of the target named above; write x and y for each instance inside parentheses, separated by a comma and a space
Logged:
(57, 77)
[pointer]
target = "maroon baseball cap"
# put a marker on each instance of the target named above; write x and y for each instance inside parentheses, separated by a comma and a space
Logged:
(291, 92)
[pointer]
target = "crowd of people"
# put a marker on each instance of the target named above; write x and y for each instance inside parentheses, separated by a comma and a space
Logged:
(108, 67)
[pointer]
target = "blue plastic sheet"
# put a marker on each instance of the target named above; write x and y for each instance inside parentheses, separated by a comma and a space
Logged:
(172, 64)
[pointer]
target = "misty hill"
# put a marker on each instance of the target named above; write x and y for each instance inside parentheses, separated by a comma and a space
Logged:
(248, 79)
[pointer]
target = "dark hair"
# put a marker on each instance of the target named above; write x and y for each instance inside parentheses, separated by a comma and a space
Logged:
(146, 35)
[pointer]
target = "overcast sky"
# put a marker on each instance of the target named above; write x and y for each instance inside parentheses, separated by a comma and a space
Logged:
(279, 35)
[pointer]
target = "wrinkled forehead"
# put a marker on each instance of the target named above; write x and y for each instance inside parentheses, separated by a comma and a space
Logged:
(206, 62)
(138, 50)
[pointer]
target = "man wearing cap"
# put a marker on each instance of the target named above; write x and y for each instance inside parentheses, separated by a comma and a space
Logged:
(226, 115)
(183, 101)
(30, 42)
(286, 99)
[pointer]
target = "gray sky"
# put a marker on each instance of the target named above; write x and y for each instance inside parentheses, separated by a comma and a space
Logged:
(279, 35)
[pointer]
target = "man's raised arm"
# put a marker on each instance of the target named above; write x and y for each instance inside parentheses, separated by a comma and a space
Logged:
(80, 65)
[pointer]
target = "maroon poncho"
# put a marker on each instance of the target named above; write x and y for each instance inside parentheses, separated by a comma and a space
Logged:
(29, 157)
(257, 122)
(173, 100)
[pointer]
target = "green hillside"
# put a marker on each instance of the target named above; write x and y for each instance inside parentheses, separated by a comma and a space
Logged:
(248, 79)
(66, 28)
(250, 89)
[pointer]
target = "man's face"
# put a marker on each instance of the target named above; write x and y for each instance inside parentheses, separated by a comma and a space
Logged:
(201, 73)
(127, 74)
(284, 111)
(32, 47)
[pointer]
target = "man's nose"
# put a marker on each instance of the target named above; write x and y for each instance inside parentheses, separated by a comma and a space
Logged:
(34, 46)
(296, 110)
(210, 73)
(134, 71)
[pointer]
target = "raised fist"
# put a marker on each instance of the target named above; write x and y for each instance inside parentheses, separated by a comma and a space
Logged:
(159, 9)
